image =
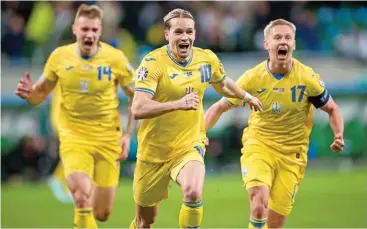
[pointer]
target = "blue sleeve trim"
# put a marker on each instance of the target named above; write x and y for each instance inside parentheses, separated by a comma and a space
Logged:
(221, 80)
(228, 102)
(143, 89)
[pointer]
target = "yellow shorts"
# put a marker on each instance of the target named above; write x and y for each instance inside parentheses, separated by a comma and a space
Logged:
(151, 179)
(261, 166)
(96, 159)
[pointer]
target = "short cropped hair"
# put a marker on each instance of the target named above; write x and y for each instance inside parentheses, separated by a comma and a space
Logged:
(278, 22)
(89, 11)
(176, 13)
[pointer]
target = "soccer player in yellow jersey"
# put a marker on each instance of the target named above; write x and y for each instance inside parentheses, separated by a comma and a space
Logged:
(91, 142)
(275, 144)
(169, 89)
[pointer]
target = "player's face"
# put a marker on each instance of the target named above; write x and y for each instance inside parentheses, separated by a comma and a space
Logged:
(87, 32)
(181, 36)
(280, 43)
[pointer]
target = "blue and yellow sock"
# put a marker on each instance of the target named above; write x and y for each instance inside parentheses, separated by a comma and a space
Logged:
(84, 218)
(257, 223)
(191, 214)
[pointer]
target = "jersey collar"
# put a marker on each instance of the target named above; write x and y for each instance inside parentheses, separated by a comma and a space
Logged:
(87, 57)
(278, 76)
(182, 64)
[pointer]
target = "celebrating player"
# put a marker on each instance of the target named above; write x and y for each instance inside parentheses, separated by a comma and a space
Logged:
(88, 72)
(275, 144)
(168, 97)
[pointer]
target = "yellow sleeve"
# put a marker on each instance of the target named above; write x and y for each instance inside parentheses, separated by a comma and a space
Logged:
(50, 70)
(244, 83)
(148, 75)
(218, 70)
(316, 91)
(315, 85)
(125, 72)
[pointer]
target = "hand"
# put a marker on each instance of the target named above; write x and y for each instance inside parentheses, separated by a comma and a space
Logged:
(125, 146)
(190, 101)
(255, 104)
(338, 143)
(25, 86)
(206, 142)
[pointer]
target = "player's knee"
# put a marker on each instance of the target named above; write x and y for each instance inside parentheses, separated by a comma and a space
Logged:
(102, 216)
(81, 199)
(192, 193)
(259, 205)
(145, 222)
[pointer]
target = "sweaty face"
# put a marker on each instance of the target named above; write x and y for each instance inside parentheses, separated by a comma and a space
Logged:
(280, 43)
(87, 32)
(181, 36)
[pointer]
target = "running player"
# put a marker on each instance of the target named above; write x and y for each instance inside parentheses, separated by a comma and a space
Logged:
(91, 139)
(275, 144)
(168, 97)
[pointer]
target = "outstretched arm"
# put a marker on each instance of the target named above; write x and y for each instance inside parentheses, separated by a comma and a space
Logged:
(229, 89)
(214, 112)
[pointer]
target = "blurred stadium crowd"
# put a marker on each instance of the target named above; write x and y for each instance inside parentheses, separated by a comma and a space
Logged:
(31, 30)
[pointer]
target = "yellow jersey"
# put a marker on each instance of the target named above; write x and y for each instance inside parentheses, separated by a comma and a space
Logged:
(89, 95)
(286, 122)
(55, 109)
(166, 136)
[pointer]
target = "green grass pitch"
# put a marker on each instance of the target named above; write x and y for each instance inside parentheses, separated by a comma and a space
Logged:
(327, 199)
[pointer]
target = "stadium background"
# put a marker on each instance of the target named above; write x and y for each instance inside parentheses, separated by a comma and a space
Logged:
(331, 37)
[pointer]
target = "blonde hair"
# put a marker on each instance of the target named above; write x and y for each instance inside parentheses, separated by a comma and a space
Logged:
(176, 13)
(88, 11)
(278, 22)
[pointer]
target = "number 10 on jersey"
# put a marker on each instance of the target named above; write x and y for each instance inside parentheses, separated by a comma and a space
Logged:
(206, 73)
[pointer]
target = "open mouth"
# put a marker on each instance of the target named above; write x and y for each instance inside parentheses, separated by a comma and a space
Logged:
(183, 47)
(282, 52)
(88, 44)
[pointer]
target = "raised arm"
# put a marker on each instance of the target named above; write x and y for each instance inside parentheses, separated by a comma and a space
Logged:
(34, 93)
(37, 93)
(226, 87)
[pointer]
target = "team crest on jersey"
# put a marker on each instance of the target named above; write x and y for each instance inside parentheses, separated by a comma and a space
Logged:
(143, 73)
(276, 107)
(84, 86)
(87, 67)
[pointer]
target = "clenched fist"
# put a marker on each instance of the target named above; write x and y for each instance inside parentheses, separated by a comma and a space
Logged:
(24, 87)
(190, 101)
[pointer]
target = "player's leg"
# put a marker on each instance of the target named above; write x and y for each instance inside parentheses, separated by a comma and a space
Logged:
(189, 173)
(285, 187)
(257, 173)
(150, 187)
(106, 177)
(79, 167)
(58, 185)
